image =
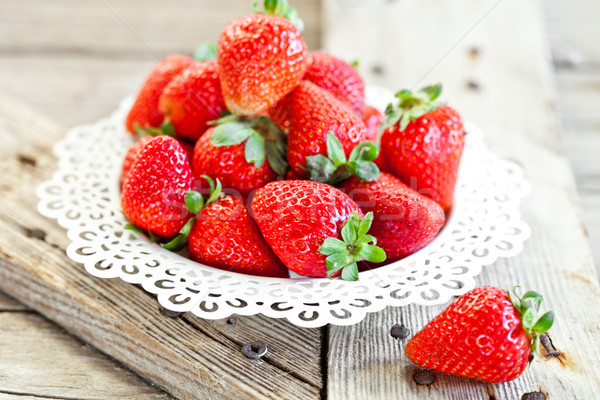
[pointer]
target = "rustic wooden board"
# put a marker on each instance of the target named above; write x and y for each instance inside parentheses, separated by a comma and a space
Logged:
(48, 362)
(189, 358)
(494, 70)
(9, 304)
(75, 60)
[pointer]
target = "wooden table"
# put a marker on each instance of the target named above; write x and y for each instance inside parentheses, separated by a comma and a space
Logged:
(75, 60)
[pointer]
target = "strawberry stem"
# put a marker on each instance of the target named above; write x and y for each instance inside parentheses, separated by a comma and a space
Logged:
(262, 137)
(194, 202)
(282, 9)
(166, 128)
(528, 307)
(411, 106)
(357, 245)
(335, 167)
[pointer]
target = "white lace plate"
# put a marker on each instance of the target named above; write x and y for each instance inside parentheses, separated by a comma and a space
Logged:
(83, 196)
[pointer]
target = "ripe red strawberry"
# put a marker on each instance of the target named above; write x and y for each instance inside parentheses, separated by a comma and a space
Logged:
(483, 335)
(262, 57)
(132, 155)
(303, 222)
(382, 163)
(313, 113)
(137, 147)
(403, 220)
(192, 99)
(224, 236)
(337, 77)
(423, 143)
(145, 111)
(372, 118)
(153, 193)
(229, 165)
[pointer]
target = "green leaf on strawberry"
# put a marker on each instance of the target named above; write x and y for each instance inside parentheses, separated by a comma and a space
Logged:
(528, 306)
(194, 202)
(281, 8)
(263, 140)
(411, 106)
(231, 133)
(357, 245)
(205, 52)
(255, 150)
(335, 167)
(166, 129)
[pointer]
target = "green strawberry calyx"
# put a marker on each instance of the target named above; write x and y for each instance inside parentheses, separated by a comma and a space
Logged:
(356, 245)
(194, 202)
(411, 106)
(282, 9)
(528, 306)
(263, 139)
(335, 167)
(166, 129)
(205, 52)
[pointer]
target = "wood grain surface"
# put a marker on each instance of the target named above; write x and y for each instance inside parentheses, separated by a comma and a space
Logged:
(74, 61)
(487, 78)
(188, 357)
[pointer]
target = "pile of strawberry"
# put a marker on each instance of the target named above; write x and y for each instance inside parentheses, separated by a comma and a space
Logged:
(264, 158)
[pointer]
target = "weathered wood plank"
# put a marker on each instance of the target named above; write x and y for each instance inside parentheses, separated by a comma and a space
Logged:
(10, 304)
(512, 101)
(75, 60)
(117, 318)
(575, 22)
(291, 348)
(43, 360)
(128, 29)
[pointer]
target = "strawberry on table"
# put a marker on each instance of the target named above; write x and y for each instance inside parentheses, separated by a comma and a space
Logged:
(192, 99)
(372, 118)
(315, 229)
(337, 77)
(145, 112)
(225, 236)
(486, 334)
(153, 192)
(403, 220)
(243, 154)
(422, 143)
(314, 112)
(262, 58)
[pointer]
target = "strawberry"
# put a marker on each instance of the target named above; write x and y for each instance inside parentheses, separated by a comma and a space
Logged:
(132, 155)
(303, 222)
(423, 142)
(235, 151)
(336, 167)
(291, 176)
(224, 236)
(313, 113)
(403, 220)
(338, 77)
(262, 58)
(372, 118)
(485, 334)
(381, 163)
(145, 112)
(192, 99)
(137, 147)
(153, 192)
